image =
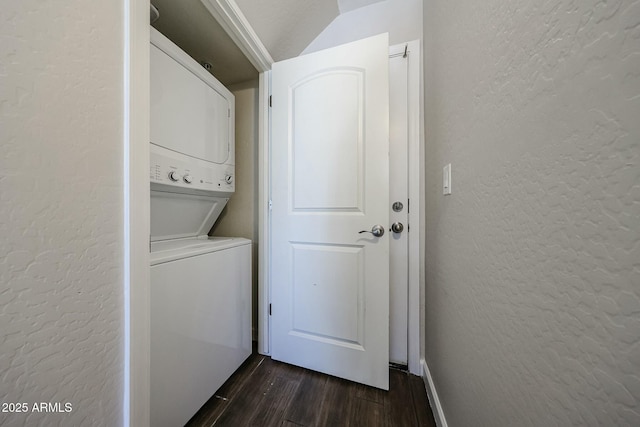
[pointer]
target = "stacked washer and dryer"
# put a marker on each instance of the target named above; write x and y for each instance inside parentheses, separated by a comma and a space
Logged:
(200, 285)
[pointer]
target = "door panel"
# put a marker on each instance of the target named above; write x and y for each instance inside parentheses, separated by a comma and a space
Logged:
(327, 306)
(330, 174)
(321, 129)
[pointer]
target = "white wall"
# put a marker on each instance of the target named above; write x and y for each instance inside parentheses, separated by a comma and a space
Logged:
(61, 275)
(533, 272)
(240, 217)
(402, 19)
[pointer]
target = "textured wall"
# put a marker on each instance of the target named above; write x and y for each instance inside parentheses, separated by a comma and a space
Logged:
(240, 216)
(533, 263)
(61, 210)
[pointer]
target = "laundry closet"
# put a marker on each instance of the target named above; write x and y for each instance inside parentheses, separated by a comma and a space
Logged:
(201, 279)
(340, 88)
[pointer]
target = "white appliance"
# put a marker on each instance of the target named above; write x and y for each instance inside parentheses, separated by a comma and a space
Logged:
(200, 286)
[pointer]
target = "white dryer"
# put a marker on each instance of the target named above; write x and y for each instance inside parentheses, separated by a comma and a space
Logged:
(200, 286)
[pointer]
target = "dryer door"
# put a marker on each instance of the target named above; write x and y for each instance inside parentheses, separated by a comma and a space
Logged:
(187, 114)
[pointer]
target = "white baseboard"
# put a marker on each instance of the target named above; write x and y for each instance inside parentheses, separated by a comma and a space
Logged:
(436, 407)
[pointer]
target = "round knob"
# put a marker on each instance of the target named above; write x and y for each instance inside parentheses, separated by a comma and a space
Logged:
(228, 179)
(397, 227)
(377, 230)
(397, 206)
(188, 179)
(173, 176)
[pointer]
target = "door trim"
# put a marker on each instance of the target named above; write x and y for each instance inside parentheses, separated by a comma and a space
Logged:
(416, 189)
(416, 195)
(235, 24)
(264, 223)
(136, 282)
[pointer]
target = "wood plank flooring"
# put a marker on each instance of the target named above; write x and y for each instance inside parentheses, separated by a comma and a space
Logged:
(264, 392)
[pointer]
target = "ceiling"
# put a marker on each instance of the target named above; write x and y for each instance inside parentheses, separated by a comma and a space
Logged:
(349, 5)
(285, 27)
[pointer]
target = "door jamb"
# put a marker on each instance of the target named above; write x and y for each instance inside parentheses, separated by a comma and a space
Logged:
(416, 191)
(264, 212)
(136, 282)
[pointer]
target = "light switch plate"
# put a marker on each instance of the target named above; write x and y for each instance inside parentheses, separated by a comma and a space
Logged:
(446, 180)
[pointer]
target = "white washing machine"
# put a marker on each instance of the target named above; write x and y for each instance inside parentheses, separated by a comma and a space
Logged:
(200, 322)
(200, 285)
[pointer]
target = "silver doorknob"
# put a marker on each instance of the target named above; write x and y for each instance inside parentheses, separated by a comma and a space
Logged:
(376, 230)
(397, 227)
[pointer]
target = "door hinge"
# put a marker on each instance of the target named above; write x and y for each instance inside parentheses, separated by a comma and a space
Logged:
(269, 309)
(270, 204)
(408, 205)
(270, 104)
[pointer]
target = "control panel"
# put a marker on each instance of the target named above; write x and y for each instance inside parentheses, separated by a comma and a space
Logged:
(179, 170)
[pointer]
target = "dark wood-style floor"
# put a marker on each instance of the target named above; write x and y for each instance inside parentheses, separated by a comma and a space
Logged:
(264, 392)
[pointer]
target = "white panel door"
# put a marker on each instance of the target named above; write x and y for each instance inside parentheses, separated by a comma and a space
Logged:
(330, 175)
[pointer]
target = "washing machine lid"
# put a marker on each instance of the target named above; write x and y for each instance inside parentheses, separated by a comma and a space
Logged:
(175, 215)
(175, 249)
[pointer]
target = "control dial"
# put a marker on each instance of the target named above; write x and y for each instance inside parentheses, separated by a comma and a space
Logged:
(228, 179)
(173, 176)
(188, 179)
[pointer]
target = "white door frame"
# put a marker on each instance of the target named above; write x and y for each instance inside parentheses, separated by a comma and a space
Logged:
(416, 195)
(136, 284)
(415, 232)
